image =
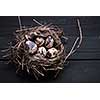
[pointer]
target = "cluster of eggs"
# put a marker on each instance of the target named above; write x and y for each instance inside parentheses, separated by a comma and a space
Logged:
(43, 46)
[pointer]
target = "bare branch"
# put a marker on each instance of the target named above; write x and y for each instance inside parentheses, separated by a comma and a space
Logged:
(20, 24)
(56, 73)
(38, 72)
(73, 49)
(80, 32)
(37, 22)
(64, 37)
(5, 50)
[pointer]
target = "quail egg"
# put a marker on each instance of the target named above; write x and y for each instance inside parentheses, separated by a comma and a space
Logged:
(39, 41)
(32, 46)
(49, 42)
(52, 52)
(42, 51)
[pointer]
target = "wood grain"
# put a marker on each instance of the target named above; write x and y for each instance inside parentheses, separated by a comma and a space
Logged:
(84, 65)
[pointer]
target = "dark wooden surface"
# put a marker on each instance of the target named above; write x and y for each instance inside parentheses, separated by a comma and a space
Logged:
(84, 65)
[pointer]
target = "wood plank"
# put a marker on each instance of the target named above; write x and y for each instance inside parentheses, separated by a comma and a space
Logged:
(81, 71)
(84, 65)
(69, 30)
(90, 25)
(75, 71)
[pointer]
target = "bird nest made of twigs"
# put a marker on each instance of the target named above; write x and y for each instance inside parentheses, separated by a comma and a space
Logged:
(39, 50)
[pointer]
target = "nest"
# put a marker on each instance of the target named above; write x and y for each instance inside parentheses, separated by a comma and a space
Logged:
(33, 61)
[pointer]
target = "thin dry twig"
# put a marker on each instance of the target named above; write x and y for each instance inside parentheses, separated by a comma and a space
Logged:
(80, 33)
(38, 71)
(35, 74)
(56, 73)
(7, 55)
(28, 70)
(73, 49)
(5, 50)
(20, 24)
(22, 63)
(37, 22)
(64, 37)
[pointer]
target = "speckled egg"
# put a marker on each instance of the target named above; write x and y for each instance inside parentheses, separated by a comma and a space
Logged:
(52, 52)
(49, 42)
(32, 46)
(42, 51)
(39, 41)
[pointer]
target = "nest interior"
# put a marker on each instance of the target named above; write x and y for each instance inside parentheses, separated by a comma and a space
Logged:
(35, 63)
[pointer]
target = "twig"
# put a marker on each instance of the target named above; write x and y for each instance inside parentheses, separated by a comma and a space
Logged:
(44, 68)
(38, 72)
(64, 37)
(28, 70)
(22, 63)
(18, 62)
(73, 49)
(17, 70)
(35, 75)
(80, 32)
(7, 55)
(51, 69)
(5, 50)
(37, 22)
(60, 68)
(20, 24)
(57, 73)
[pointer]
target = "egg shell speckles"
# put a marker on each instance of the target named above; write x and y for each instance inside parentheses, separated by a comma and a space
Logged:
(39, 41)
(42, 51)
(52, 52)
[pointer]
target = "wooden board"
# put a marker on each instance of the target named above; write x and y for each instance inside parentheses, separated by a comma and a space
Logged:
(84, 64)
